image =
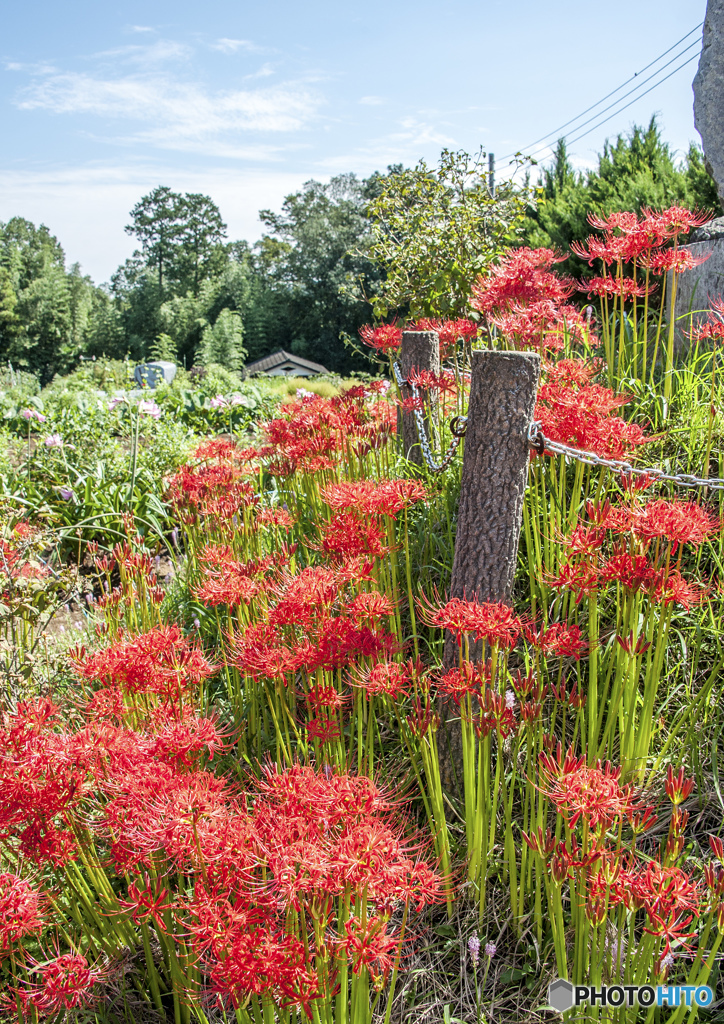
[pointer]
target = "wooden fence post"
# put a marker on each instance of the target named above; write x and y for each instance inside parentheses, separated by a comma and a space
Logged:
(419, 350)
(503, 390)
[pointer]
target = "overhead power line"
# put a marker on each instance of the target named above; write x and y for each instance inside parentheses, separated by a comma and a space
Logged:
(573, 121)
(654, 86)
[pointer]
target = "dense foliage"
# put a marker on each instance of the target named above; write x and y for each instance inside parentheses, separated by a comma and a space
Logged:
(228, 692)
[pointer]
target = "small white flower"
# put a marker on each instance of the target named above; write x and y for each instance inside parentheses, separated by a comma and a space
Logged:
(219, 402)
(510, 700)
(54, 441)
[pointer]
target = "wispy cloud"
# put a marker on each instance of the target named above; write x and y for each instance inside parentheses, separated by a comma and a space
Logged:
(232, 45)
(140, 28)
(150, 55)
(87, 206)
(372, 101)
(264, 72)
(173, 113)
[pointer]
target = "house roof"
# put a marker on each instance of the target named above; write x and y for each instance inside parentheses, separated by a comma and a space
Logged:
(280, 356)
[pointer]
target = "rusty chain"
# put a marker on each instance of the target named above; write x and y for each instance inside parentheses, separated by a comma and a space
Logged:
(542, 445)
(457, 428)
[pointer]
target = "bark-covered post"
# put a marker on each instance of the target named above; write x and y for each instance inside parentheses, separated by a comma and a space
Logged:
(419, 350)
(503, 390)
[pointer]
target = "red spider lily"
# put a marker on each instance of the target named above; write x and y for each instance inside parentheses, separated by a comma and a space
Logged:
(582, 579)
(633, 572)
(458, 683)
(161, 661)
(678, 788)
(66, 983)
(558, 639)
(680, 522)
(369, 946)
(370, 606)
(494, 622)
(151, 901)
(430, 381)
(261, 651)
(494, 714)
(542, 325)
(310, 434)
(631, 646)
(20, 909)
(262, 961)
(449, 332)
(624, 221)
(625, 287)
(324, 730)
(522, 276)
(275, 517)
(678, 260)
(717, 848)
(182, 743)
(390, 678)
(424, 718)
(574, 697)
(584, 540)
(675, 589)
(541, 843)
(385, 338)
(349, 535)
(580, 791)
(326, 697)
(15, 564)
(197, 488)
(228, 585)
(676, 220)
(580, 415)
(387, 497)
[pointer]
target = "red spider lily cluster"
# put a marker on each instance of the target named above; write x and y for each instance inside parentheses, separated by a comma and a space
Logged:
(526, 302)
(573, 410)
(629, 238)
(611, 878)
(324, 847)
(637, 546)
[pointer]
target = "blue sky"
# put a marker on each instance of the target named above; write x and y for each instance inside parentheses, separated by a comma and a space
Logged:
(245, 101)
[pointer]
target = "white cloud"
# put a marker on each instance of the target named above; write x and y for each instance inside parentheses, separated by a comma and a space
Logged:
(181, 114)
(372, 101)
(232, 45)
(264, 71)
(87, 207)
(140, 28)
(149, 55)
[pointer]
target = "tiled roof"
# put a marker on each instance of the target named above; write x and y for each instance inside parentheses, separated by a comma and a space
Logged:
(277, 358)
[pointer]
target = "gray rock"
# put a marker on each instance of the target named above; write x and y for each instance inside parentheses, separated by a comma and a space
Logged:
(709, 93)
(697, 287)
(151, 374)
(709, 232)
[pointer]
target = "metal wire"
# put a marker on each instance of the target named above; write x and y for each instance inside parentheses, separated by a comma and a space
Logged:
(542, 445)
(457, 428)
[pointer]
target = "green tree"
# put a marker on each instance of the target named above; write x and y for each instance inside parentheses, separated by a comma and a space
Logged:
(202, 254)
(157, 223)
(164, 347)
(634, 172)
(435, 229)
(222, 343)
(313, 272)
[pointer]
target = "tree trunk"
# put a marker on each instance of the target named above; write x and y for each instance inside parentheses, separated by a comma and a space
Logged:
(494, 476)
(419, 350)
